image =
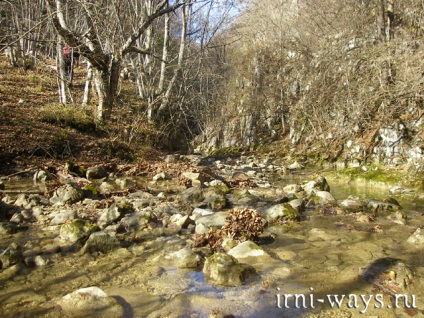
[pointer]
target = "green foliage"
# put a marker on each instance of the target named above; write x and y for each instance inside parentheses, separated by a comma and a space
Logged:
(70, 116)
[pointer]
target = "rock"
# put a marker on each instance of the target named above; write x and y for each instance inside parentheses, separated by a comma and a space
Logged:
(197, 179)
(97, 172)
(297, 204)
(106, 187)
(100, 242)
(124, 183)
(2, 185)
(90, 302)
(198, 212)
(172, 158)
(109, 215)
(397, 217)
(185, 258)
(323, 197)
(240, 176)
(351, 205)
(67, 194)
(135, 221)
(22, 200)
(42, 176)
(8, 228)
(17, 218)
(416, 238)
(180, 221)
(192, 195)
(319, 184)
(160, 177)
(11, 256)
(390, 275)
(292, 188)
(76, 229)
(201, 229)
(214, 197)
(228, 243)
(294, 166)
(223, 269)
(63, 217)
(214, 221)
(381, 206)
(247, 249)
(243, 197)
(40, 261)
(281, 212)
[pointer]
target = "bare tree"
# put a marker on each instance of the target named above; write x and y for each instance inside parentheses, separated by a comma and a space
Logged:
(105, 49)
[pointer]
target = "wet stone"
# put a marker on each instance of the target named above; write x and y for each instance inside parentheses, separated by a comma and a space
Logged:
(100, 242)
(90, 302)
(416, 238)
(223, 269)
(390, 275)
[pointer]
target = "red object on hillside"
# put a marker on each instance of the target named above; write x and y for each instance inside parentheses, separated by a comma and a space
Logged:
(66, 50)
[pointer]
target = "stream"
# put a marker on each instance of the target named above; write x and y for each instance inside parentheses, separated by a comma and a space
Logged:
(321, 257)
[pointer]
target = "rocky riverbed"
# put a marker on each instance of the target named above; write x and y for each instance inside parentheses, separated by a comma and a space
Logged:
(207, 237)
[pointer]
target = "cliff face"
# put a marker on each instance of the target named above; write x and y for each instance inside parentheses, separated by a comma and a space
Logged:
(350, 84)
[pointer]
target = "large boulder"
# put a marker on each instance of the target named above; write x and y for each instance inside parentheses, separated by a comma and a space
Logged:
(281, 212)
(90, 302)
(67, 194)
(223, 269)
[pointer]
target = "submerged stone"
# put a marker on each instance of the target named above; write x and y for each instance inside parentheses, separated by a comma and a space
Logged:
(90, 302)
(390, 275)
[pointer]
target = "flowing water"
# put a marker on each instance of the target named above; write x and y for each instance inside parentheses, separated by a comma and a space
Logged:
(315, 259)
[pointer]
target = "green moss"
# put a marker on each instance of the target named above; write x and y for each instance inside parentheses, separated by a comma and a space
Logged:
(80, 171)
(91, 189)
(374, 173)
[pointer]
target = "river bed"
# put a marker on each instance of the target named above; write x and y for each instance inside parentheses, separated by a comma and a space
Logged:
(318, 257)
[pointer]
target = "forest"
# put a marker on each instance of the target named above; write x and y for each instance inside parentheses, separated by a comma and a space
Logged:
(206, 75)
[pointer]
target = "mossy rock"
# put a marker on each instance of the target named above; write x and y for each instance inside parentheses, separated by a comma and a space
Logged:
(223, 270)
(77, 229)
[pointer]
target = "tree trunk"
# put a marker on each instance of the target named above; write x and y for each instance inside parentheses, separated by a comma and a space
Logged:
(106, 82)
(61, 72)
(87, 88)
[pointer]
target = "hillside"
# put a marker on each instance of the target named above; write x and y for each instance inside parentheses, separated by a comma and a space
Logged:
(35, 128)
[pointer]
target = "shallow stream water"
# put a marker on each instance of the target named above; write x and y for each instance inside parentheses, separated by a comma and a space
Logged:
(318, 257)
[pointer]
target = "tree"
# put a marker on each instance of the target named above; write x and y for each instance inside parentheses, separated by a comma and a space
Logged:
(107, 37)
